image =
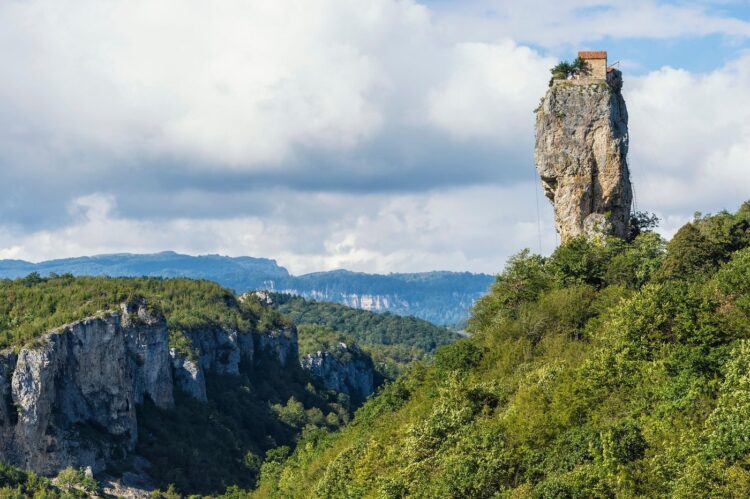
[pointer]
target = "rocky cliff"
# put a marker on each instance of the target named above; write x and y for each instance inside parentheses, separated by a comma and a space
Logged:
(347, 370)
(580, 154)
(69, 399)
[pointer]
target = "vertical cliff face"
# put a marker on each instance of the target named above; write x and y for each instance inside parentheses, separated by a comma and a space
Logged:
(69, 400)
(581, 156)
(280, 344)
(70, 397)
(346, 370)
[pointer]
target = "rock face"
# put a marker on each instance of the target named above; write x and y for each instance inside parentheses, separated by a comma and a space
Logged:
(347, 371)
(215, 349)
(189, 376)
(69, 400)
(580, 155)
(280, 344)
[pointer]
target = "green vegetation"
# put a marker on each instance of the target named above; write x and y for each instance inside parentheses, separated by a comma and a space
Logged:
(367, 328)
(70, 483)
(75, 483)
(205, 448)
(33, 305)
(391, 340)
(198, 448)
(565, 70)
(439, 297)
(313, 338)
(610, 369)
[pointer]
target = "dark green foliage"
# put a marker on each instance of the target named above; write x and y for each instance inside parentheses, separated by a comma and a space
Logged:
(610, 369)
(702, 245)
(637, 262)
(391, 340)
(367, 328)
(565, 69)
(524, 279)
(460, 356)
(641, 222)
(205, 448)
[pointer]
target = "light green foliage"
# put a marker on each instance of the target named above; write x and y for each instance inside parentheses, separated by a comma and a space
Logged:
(609, 369)
(17, 483)
(33, 305)
(75, 483)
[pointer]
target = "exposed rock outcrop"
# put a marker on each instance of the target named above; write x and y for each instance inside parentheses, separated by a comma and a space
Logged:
(348, 370)
(580, 155)
(74, 392)
(188, 375)
(214, 349)
(70, 397)
(281, 344)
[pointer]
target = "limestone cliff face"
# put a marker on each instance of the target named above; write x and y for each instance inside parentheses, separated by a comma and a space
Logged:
(216, 349)
(69, 400)
(347, 371)
(281, 344)
(580, 155)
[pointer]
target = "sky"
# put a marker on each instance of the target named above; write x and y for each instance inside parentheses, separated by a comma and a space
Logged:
(373, 135)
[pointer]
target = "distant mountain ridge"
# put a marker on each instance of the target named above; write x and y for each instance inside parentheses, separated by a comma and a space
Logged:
(440, 297)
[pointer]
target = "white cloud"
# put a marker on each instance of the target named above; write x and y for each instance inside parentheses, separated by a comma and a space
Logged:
(474, 228)
(690, 138)
(240, 84)
(237, 83)
(490, 92)
(178, 104)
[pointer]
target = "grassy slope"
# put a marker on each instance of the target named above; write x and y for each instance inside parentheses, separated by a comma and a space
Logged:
(602, 371)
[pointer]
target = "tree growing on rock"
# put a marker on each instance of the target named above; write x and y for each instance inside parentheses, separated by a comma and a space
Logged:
(565, 70)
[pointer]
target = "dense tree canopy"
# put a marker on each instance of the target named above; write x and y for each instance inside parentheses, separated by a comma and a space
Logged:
(609, 369)
(391, 340)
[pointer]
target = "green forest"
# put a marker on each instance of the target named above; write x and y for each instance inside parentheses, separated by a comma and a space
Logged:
(32, 305)
(609, 369)
(392, 341)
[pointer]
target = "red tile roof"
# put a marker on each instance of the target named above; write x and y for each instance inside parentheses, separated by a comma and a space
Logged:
(593, 54)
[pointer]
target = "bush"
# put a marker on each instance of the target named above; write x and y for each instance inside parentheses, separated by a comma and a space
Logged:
(461, 356)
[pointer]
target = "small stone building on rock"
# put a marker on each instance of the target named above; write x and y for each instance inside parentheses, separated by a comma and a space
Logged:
(597, 63)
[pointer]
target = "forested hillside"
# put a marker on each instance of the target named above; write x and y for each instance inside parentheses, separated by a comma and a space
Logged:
(609, 369)
(393, 341)
(440, 297)
(33, 304)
